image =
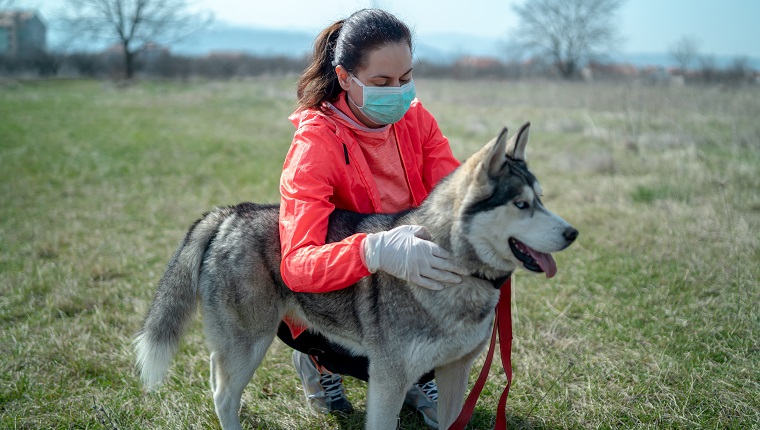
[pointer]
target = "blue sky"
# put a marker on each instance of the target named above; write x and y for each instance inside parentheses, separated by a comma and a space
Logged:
(727, 27)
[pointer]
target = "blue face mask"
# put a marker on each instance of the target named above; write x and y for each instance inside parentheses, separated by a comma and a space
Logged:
(385, 105)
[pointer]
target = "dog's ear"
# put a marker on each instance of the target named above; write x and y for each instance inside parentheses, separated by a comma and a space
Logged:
(497, 155)
(516, 145)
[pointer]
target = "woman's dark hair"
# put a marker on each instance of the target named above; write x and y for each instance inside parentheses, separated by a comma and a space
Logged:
(347, 42)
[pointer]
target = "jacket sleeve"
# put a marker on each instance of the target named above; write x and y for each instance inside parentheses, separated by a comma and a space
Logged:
(437, 159)
(306, 185)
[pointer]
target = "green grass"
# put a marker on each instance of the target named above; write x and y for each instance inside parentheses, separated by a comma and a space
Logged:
(651, 322)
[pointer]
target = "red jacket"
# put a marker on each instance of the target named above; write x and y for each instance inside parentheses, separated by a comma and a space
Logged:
(324, 170)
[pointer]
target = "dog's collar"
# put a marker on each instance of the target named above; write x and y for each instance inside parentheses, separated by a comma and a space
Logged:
(497, 283)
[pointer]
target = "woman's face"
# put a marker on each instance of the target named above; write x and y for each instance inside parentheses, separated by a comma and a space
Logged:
(388, 66)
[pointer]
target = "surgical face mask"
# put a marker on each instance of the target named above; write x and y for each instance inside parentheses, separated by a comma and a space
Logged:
(385, 105)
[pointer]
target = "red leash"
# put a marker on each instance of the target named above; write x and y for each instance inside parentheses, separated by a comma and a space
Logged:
(503, 326)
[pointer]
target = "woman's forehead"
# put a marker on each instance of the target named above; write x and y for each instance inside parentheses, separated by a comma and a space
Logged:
(392, 60)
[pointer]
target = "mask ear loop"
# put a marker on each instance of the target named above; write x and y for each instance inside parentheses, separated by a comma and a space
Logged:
(361, 85)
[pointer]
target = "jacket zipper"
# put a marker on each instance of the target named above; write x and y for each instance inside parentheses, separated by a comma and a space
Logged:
(406, 170)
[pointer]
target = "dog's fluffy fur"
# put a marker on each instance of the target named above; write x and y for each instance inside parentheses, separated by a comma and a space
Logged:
(488, 213)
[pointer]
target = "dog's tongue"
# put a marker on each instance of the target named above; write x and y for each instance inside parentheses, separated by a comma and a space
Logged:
(545, 262)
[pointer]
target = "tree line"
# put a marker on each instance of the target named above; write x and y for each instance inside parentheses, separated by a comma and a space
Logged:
(566, 39)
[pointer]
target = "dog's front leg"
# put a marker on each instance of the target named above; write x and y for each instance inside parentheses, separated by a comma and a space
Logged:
(452, 383)
(387, 387)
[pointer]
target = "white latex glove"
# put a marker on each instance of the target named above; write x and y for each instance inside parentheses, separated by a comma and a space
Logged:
(406, 252)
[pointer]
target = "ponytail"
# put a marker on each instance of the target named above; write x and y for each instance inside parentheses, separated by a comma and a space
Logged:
(319, 81)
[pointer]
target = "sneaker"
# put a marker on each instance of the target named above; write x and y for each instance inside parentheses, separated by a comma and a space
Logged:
(323, 389)
(424, 398)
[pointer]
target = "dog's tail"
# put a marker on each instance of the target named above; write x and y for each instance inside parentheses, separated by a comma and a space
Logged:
(175, 301)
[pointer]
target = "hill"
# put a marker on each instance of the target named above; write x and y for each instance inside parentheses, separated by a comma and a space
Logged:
(440, 48)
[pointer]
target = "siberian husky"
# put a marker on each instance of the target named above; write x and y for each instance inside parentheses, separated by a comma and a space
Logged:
(488, 213)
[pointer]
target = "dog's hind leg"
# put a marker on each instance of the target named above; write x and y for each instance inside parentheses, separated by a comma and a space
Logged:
(231, 370)
(387, 389)
(452, 384)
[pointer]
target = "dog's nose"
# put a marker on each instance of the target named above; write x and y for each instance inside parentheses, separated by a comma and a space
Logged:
(570, 234)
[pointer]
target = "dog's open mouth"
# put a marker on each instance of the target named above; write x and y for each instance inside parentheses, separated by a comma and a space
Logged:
(533, 260)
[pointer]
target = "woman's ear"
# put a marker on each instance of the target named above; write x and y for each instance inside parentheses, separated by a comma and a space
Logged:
(344, 78)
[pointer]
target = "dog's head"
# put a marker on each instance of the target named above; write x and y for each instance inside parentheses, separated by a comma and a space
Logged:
(503, 224)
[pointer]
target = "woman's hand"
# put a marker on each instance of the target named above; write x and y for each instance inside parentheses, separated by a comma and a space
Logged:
(407, 252)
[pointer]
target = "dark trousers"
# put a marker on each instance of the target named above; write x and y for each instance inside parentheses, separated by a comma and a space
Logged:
(332, 357)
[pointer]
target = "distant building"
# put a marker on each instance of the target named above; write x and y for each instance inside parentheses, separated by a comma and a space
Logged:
(478, 62)
(22, 33)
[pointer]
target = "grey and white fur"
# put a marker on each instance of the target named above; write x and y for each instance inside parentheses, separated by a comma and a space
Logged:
(487, 213)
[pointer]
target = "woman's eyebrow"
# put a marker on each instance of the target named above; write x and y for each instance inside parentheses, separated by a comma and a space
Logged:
(388, 77)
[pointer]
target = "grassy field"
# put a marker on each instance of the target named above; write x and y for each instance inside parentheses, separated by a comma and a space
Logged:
(651, 322)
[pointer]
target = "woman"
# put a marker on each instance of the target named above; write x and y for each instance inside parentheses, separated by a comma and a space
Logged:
(363, 143)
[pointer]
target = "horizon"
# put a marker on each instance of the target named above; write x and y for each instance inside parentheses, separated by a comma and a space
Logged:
(442, 48)
(722, 33)
(724, 29)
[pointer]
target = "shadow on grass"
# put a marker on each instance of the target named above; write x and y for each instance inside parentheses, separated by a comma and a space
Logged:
(482, 419)
(485, 419)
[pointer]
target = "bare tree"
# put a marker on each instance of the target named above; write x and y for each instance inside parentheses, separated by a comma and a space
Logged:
(133, 24)
(684, 52)
(708, 68)
(568, 32)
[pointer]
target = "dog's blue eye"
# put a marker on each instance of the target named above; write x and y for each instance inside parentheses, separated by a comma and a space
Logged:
(522, 205)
